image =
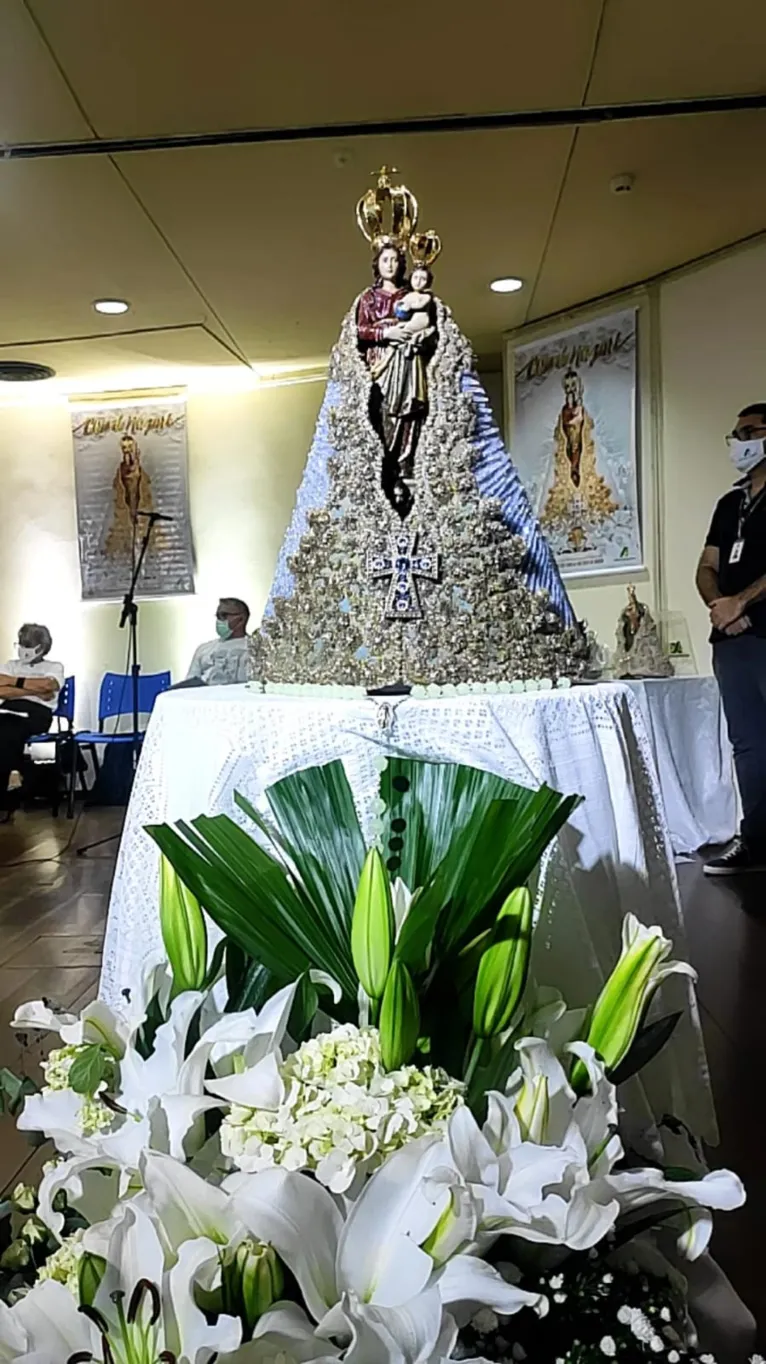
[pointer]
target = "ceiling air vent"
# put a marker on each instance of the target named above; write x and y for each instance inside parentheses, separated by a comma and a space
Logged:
(23, 372)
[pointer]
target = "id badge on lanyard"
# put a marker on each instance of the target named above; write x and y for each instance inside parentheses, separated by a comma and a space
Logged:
(739, 544)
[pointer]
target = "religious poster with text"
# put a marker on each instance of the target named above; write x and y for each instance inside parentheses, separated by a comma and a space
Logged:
(131, 473)
(574, 442)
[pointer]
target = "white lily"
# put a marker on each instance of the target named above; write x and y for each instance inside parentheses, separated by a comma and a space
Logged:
(721, 1191)
(45, 1325)
(140, 1309)
(377, 1256)
(582, 1195)
(161, 1303)
(418, 1332)
(97, 1023)
(186, 1206)
(535, 1167)
(159, 1099)
(93, 1185)
(547, 1015)
(285, 1335)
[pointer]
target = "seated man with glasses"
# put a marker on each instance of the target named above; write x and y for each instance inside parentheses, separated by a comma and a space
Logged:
(731, 579)
(224, 660)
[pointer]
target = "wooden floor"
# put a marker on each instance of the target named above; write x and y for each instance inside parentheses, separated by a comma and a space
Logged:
(52, 914)
(52, 917)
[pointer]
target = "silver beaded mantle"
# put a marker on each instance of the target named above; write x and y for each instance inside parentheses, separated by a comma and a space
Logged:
(478, 621)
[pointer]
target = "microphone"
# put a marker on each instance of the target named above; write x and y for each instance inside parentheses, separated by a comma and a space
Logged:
(155, 516)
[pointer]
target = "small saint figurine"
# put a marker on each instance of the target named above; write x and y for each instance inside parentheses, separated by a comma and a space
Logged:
(639, 650)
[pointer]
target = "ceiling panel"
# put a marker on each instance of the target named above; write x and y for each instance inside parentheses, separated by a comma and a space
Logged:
(143, 67)
(35, 103)
(70, 232)
(695, 191)
(118, 355)
(270, 234)
(655, 49)
(262, 240)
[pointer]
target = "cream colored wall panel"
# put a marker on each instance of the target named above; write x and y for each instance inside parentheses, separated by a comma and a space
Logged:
(188, 65)
(694, 192)
(35, 104)
(658, 49)
(71, 232)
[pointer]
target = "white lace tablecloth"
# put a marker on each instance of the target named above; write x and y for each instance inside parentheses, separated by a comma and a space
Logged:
(691, 750)
(614, 856)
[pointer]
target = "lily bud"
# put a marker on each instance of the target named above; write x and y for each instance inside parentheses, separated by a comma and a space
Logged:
(33, 1232)
(252, 1281)
(15, 1256)
(372, 927)
(90, 1271)
(502, 972)
(532, 1109)
(183, 931)
(399, 1018)
(622, 1004)
(24, 1198)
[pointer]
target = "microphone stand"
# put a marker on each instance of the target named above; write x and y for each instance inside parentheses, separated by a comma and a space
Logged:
(129, 617)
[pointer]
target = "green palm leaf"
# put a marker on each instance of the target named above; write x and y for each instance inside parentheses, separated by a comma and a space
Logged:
(428, 805)
(464, 836)
(496, 849)
(317, 829)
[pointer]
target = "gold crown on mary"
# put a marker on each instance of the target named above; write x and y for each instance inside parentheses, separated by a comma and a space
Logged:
(388, 216)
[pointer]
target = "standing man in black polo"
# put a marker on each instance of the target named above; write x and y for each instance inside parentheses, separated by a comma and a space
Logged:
(731, 579)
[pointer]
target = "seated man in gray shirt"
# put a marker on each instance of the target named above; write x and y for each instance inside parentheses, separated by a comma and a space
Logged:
(223, 660)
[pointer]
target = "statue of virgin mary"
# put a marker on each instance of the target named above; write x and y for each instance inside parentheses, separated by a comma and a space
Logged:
(413, 555)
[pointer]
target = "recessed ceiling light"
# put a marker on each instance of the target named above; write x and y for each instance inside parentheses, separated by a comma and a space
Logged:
(508, 285)
(111, 305)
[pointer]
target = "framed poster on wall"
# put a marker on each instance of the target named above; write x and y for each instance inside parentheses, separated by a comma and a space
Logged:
(130, 459)
(574, 441)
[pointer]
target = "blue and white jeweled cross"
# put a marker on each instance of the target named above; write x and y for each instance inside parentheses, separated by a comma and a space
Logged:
(403, 565)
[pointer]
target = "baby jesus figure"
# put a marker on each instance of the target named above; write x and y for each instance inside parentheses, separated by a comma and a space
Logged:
(415, 311)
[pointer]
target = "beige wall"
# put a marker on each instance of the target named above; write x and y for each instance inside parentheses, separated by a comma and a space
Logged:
(714, 363)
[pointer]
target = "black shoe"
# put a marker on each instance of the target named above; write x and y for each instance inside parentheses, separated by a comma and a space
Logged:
(739, 860)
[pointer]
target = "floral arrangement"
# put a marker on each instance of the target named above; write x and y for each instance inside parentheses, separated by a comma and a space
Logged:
(358, 1130)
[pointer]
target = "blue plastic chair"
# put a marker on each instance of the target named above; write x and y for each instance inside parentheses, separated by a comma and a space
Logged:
(115, 700)
(63, 711)
(63, 720)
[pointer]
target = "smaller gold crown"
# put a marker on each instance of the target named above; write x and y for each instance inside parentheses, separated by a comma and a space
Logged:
(387, 214)
(425, 247)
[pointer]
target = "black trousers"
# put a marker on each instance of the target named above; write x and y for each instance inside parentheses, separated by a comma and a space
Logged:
(740, 667)
(18, 722)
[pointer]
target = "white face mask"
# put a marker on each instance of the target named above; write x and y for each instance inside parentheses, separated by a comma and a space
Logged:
(27, 655)
(746, 454)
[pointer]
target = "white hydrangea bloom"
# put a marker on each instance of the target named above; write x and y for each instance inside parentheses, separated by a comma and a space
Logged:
(62, 1266)
(93, 1115)
(338, 1110)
